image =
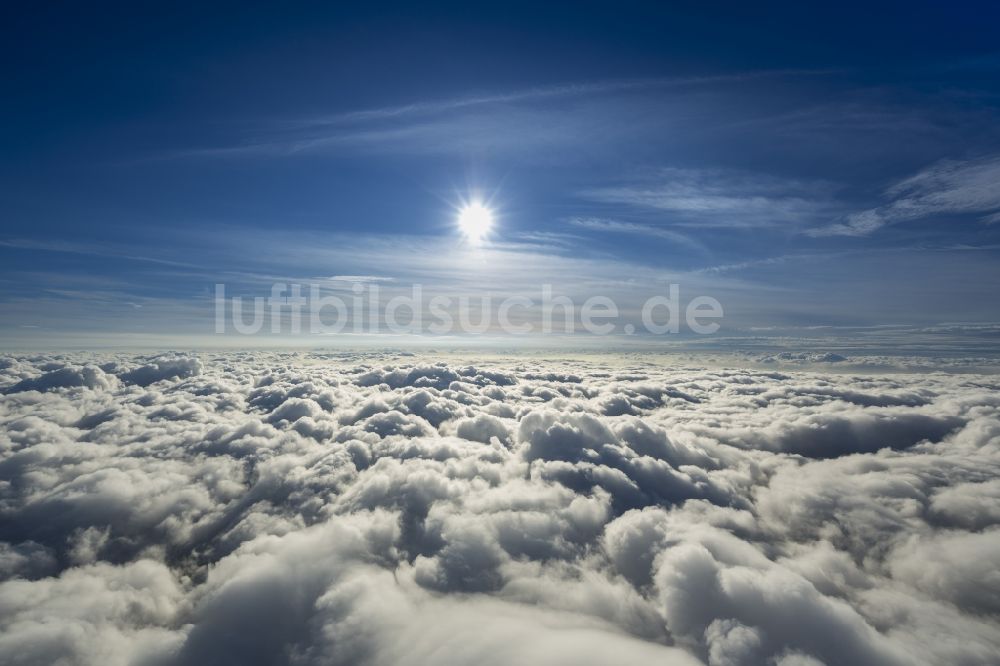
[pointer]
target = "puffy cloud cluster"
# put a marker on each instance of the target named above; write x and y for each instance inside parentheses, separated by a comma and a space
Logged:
(297, 508)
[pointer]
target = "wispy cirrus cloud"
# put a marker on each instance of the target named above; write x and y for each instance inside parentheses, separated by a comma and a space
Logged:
(722, 198)
(949, 187)
(511, 121)
(109, 250)
(359, 279)
(745, 265)
(604, 225)
(534, 93)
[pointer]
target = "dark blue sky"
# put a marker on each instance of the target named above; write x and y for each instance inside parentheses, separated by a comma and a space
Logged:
(809, 166)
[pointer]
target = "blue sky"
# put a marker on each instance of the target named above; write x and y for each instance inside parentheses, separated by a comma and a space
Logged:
(811, 167)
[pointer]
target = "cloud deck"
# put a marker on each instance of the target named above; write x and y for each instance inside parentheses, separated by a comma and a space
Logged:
(296, 508)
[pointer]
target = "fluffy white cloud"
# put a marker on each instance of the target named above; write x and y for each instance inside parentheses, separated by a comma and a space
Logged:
(296, 508)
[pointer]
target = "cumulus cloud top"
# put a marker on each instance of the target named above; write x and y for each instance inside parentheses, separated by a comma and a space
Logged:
(296, 508)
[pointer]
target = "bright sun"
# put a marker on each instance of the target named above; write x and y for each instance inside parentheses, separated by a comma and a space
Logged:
(475, 221)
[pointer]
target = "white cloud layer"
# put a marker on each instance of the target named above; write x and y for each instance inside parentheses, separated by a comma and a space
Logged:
(345, 508)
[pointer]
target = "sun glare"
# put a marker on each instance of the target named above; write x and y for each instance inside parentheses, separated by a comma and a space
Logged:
(475, 221)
